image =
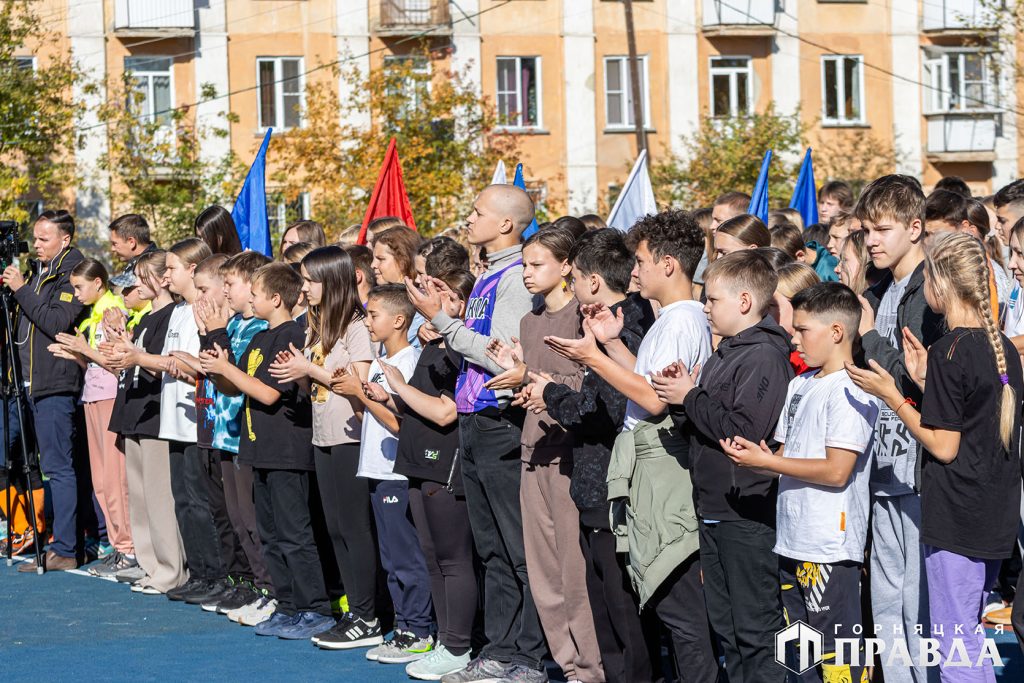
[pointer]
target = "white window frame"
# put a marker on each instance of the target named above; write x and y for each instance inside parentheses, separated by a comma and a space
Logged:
(277, 210)
(147, 76)
(841, 91)
(627, 106)
(518, 92)
(421, 65)
(938, 99)
(732, 72)
(29, 60)
(279, 107)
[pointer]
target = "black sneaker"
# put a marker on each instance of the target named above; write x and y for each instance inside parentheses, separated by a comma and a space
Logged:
(217, 591)
(242, 594)
(178, 594)
(350, 632)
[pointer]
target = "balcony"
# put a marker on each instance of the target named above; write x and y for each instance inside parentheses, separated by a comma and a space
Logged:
(154, 18)
(739, 17)
(411, 17)
(957, 17)
(962, 136)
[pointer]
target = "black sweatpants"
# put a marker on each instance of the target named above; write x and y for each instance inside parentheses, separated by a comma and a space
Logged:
(346, 503)
(282, 516)
(741, 589)
(242, 513)
(630, 642)
(192, 509)
(231, 556)
(442, 524)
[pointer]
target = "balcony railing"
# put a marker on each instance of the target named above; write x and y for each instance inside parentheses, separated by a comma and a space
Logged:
(741, 14)
(139, 17)
(957, 15)
(406, 17)
(967, 135)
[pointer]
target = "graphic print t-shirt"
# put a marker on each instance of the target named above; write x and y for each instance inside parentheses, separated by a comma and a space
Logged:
(227, 409)
(137, 407)
(178, 397)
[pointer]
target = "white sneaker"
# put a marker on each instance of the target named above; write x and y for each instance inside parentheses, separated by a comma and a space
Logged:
(236, 615)
(437, 664)
(259, 613)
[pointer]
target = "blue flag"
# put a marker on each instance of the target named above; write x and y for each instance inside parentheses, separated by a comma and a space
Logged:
(521, 184)
(250, 210)
(805, 199)
(759, 198)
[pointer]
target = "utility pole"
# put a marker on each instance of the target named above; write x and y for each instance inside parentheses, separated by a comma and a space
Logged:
(634, 80)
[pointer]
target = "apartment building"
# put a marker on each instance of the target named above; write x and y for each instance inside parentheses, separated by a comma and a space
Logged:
(915, 73)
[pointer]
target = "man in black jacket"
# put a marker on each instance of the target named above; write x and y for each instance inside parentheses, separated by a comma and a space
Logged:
(47, 306)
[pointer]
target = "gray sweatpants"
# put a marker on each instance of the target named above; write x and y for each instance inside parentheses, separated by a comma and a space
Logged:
(899, 590)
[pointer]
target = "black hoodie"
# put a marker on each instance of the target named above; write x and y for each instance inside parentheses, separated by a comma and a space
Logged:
(595, 413)
(742, 391)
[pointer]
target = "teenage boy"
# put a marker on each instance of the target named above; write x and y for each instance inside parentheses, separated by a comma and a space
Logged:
(726, 206)
(843, 223)
(490, 430)
(276, 441)
(741, 390)
(388, 317)
(823, 461)
(665, 570)
(833, 197)
(602, 268)
(1009, 203)
(891, 209)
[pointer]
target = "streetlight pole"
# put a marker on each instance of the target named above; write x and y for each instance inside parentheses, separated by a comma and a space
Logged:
(634, 80)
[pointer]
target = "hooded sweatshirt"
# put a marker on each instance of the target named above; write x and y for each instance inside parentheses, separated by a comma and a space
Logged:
(742, 390)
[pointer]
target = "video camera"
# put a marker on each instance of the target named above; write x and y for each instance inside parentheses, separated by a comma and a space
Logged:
(10, 246)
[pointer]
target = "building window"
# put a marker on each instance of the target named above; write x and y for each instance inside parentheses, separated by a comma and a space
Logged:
(842, 89)
(281, 213)
(25, 63)
(618, 92)
(280, 92)
(959, 81)
(731, 82)
(153, 88)
(414, 86)
(519, 99)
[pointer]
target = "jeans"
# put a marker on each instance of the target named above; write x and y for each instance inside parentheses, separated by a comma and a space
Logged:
(54, 422)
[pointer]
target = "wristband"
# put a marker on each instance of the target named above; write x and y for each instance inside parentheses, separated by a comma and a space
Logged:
(911, 401)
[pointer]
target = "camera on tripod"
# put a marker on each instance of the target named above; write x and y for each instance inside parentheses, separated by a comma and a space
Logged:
(10, 246)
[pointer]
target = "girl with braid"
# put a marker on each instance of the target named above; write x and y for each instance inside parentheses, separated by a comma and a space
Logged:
(969, 423)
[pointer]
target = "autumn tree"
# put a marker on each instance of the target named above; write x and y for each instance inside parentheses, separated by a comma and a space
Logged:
(854, 156)
(447, 135)
(37, 113)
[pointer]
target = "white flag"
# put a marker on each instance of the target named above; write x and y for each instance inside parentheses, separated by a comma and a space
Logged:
(499, 174)
(636, 199)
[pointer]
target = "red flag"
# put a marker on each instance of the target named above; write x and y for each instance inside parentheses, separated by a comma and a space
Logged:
(389, 197)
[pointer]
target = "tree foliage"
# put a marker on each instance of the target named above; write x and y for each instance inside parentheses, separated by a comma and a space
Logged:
(447, 136)
(37, 113)
(855, 156)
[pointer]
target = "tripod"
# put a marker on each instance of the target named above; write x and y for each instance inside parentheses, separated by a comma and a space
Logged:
(11, 389)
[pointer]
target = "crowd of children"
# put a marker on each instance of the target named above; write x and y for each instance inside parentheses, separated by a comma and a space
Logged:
(580, 446)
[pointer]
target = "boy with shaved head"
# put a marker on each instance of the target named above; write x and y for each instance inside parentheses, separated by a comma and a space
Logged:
(490, 432)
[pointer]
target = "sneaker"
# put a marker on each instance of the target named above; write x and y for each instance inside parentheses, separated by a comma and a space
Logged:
(389, 647)
(479, 669)
(305, 626)
(218, 591)
(177, 594)
(236, 614)
(437, 664)
(199, 588)
(19, 543)
(242, 595)
(104, 550)
(275, 624)
(118, 562)
(145, 589)
(257, 614)
(130, 575)
(993, 603)
(410, 649)
(350, 632)
(520, 673)
(1000, 616)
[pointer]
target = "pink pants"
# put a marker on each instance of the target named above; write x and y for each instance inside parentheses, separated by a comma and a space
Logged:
(109, 480)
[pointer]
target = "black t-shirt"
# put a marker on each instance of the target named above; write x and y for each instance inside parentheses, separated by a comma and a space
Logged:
(972, 505)
(137, 405)
(425, 449)
(278, 436)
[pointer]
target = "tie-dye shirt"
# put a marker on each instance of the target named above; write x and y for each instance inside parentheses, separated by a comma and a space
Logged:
(227, 422)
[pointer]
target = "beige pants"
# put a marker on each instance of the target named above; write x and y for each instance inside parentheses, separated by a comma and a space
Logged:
(106, 462)
(158, 547)
(557, 570)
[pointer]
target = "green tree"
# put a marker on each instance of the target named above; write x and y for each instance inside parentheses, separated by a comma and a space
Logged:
(855, 156)
(726, 154)
(447, 136)
(37, 113)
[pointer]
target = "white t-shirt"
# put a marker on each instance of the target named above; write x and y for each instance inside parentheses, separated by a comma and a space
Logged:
(817, 523)
(681, 332)
(1013, 325)
(178, 397)
(379, 445)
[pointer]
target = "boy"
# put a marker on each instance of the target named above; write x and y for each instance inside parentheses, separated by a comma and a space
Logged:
(728, 205)
(490, 431)
(833, 197)
(276, 441)
(665, 571)
(891, 209)
(362, 259)
(388, 316)
(1009, 206)
(823, 461)
(843, 223)
(249, 603)
(742, 389)
(601, 272)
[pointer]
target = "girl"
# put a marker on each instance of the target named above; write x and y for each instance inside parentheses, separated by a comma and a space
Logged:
(302, 231)
(1013, 317)
(339, 340)
(89, 279)
(793, 277)
(854, 262)
(216, 227)
(394, 260)
(789, 239)
(136, 417)
(741, 232)
(968, 424)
